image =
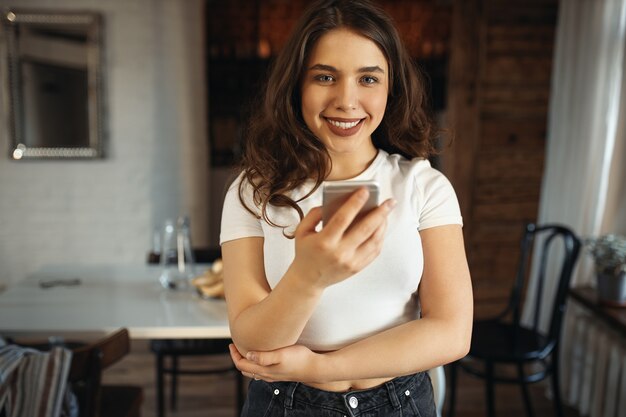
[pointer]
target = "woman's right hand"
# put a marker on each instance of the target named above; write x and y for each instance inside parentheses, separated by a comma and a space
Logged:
(342, 248)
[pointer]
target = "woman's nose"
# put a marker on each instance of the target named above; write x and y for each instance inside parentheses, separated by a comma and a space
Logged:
(347, 97)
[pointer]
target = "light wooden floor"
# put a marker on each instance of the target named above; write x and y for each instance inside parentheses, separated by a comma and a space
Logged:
(214, 395)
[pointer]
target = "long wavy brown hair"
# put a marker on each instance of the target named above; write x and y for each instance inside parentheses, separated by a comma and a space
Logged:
(281, 153)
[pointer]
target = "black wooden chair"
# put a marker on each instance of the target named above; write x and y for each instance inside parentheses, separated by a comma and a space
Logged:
(174, 349)
(95, 399)
(506, 340)
(85, 376)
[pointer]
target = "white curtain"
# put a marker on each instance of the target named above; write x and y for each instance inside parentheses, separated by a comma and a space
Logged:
(585, 110)
(583, 185)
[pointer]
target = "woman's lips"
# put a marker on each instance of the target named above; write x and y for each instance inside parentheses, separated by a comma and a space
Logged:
(344, 127)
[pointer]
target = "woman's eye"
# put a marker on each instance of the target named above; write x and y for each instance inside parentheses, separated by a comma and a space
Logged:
(369, 80)
(324, 78)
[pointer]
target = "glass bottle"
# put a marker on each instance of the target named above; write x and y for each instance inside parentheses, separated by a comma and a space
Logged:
(177, 261)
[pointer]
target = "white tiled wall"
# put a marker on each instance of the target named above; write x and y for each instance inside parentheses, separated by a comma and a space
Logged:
(156, 153)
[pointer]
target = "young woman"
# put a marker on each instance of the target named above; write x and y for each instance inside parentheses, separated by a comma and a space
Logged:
(343, 320)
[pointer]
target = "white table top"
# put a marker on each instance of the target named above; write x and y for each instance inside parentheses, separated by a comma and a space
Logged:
(109, 297)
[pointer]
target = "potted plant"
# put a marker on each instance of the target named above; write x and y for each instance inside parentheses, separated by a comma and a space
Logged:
(609, 254)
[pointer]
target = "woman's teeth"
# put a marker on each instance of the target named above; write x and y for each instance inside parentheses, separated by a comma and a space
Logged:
(343, 125)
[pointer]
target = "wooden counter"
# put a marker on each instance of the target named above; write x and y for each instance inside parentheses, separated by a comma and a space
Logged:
(613, 316)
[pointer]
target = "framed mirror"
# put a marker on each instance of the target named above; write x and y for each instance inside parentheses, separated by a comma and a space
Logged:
(52, 79)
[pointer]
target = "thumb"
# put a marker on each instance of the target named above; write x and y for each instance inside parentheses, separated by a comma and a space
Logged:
(263, 358)
(309, 222)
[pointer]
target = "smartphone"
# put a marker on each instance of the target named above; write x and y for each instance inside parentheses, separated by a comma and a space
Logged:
(337, 192)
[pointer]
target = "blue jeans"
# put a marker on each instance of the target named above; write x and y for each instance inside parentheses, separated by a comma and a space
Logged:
(404, 396)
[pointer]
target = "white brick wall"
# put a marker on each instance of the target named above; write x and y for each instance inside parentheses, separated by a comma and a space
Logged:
(156, 153)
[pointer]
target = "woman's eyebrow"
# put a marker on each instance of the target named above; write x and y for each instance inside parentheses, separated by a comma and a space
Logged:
(374, 68)
(324, 67)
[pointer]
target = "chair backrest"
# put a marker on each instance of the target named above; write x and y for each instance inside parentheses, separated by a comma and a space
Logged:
(200, 255)
(88, 362)
(438, 380)
(555, 258)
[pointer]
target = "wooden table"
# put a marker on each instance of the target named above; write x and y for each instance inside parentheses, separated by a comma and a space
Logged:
(107, 298)
(613, 316)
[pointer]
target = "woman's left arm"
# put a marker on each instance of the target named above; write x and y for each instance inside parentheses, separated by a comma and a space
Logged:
(440, 336)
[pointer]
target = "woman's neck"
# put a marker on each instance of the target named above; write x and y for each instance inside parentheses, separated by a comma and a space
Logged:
(346, 166)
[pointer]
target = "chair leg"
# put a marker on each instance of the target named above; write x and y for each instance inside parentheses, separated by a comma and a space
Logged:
(491, 409)
(159, 379)
(453, 367)
(174, 382)
(556, 386)
(524, 386)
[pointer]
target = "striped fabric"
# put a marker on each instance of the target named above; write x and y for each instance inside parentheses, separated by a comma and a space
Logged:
(33, 383)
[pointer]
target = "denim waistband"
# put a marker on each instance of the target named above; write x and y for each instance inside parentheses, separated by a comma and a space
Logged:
(352, 402)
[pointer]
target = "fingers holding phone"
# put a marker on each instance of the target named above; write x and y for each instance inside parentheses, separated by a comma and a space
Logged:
(337, 193)
(353, 207)
(356, 221)
(353, 231)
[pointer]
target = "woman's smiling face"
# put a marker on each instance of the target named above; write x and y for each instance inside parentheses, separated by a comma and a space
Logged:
(344, 93)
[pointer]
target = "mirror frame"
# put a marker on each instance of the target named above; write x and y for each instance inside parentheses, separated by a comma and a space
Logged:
(13, 103)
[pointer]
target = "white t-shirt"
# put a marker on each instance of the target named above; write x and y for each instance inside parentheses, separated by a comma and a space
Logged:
(381, 295)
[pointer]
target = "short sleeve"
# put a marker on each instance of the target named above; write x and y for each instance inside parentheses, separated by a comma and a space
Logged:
(439, 202)
(237, 221)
